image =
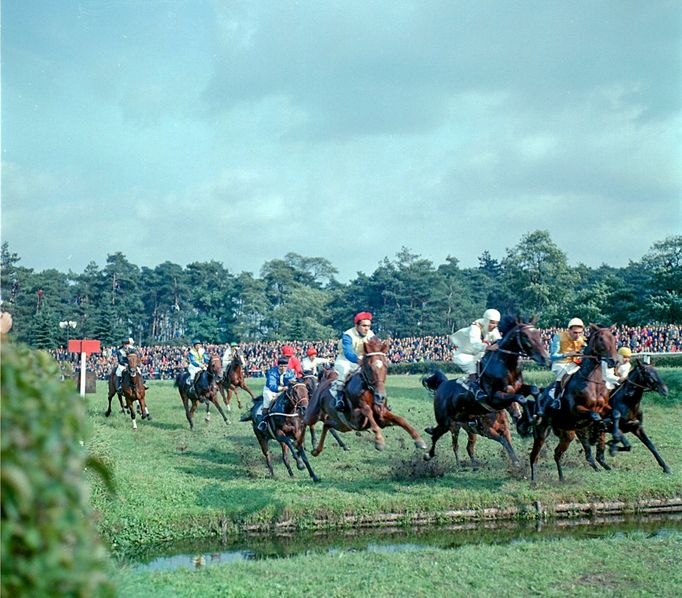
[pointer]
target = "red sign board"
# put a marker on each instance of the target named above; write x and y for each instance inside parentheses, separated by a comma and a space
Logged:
(84, 346)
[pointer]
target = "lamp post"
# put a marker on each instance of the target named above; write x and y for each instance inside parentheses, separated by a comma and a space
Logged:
(68, 325)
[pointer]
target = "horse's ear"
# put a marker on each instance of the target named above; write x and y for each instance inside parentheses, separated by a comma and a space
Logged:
(593, 327)
(384, 347)
(613, 329)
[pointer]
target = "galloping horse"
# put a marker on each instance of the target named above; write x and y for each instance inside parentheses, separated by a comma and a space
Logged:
(502, 383)
(626, 413)
(232, 379)
(284, 426)
(312, 381)
(584, 400)
(203, 391)
(367, 395)
(114, 390)
(132, 388)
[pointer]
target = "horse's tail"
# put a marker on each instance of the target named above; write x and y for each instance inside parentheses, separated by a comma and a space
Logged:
(433, 381)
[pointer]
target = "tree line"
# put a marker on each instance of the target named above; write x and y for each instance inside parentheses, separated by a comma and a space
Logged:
(299, 298)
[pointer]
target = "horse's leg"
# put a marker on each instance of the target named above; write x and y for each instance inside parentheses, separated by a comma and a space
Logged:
(616, 435)
(192, 410)
(436, 434)
(221, 389)
(132, 412)
(336, 436)
(301, 457)
(471, 450)
(601, 446)
(107, 413)
(565, 440)
(396, 420)
(585, 442)
(227, 398)
(216, 402)
(247, 389)
(143, 408)
(454, 431)
(285, 456)
(318, 449)
(540, 435)
(639, 432)
(207, 417)
(185, 403)
(504, 440)
(124, 406)
(313, 436)
(263, 442)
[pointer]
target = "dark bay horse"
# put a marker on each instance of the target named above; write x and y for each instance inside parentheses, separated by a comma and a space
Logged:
(284, 425)
(626, 413)
(204, 391)
(132, 388)
(312, 381)
(500, 380)
(232, 379)
(366, 393)
(583, 401)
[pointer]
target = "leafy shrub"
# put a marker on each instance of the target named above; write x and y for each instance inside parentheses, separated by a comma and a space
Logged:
(49, 546)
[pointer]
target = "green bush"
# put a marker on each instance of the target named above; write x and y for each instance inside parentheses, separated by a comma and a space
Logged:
(49, 546)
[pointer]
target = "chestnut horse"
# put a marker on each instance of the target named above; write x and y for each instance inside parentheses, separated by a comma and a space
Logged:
(583, 400)
(501, 381)
(232, 379)
(365, 390)
(205, 390)
(626, 414)
(132, 388)
(285, 423)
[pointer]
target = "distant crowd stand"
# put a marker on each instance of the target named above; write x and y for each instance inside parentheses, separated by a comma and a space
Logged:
(163, 362)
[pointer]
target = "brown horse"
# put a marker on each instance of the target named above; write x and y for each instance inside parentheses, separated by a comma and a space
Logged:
(114, 390)
(132, 388)
(205, 389)
(232, 379)
(502, 386)
(626, 414)
(312, 381)
(583, 400)
(285, 423)
(365, 391)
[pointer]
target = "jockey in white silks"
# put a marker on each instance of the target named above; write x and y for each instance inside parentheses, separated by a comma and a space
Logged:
(472, 341)
(351, 351)
(127, 346)
(615, 376)
(311, 362)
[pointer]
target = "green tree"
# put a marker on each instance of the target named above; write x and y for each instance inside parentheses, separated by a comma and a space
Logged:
(663, 263)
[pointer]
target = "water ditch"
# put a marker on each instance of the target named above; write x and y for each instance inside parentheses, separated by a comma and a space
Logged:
(196, 555)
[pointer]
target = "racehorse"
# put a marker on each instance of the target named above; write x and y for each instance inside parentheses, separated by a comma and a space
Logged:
(204, 390)
(312, 381)
(284, 425)
(501, 382)
(114, 390)
(132, 388)
(583, 401)
(626, 413)
(366, 394)
(232, 379)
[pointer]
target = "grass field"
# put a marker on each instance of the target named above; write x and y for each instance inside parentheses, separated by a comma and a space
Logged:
(174, 483)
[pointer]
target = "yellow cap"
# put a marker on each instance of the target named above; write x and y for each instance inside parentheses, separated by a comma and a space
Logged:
(625, 352)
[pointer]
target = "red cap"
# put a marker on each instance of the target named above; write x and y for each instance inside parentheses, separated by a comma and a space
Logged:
(287, 351)
(311, 351)
(363, 315)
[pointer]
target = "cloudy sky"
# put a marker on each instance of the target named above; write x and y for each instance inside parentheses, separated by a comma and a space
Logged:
(189, 130)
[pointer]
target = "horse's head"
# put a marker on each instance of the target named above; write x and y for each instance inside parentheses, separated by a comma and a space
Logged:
(310, 380)
(648, 378)
(215, 367)
(602, 343)
(374, 368)
(297, 393)
(522, 337)
(133, 362)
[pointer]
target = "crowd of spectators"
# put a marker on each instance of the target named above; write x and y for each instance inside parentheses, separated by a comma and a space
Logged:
(164, 362)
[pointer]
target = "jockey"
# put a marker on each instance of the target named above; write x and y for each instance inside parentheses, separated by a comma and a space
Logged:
(293, 362)
(565, 350)
(127, 346)
(311, 362)
(351, 351)
(198, 361)
(615, 376)
(230, 351)
(471, 342)
(277, 379)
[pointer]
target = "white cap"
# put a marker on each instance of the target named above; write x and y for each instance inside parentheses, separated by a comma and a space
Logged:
(576, 322)
(491, 314)
(131, 341)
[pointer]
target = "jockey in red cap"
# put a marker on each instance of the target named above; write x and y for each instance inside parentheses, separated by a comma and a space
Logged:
(351, 350)
(294, 362)
(311, 361)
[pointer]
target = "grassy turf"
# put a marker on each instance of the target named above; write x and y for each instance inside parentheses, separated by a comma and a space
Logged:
(175, 483)
(634, 565)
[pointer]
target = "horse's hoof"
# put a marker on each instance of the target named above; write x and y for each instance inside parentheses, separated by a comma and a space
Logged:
(358, 433)
(427, 457)
(107, 413)
(420, 444)
(229, 408)
(149, 417)
(300, 465)
(380, 446)
(315, 453)
(667, 470)
(316, 479)
(429, 431)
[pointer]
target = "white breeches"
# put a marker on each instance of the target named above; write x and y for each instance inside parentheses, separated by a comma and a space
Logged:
(562, 369)
(268, 397)
(193, 369)
(119, 370)
(466, 362)
(344, 368)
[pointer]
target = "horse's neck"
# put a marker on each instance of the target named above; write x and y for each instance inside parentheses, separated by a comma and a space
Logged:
(496, 367)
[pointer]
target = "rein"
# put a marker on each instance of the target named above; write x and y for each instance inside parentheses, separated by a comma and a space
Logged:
(363, 375)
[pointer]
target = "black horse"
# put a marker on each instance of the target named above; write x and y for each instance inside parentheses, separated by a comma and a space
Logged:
(626, 414)
(204, 390)
(500, 381)
(284, 423)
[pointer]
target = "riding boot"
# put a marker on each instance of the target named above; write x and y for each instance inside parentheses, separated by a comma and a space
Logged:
(263, 423)
(118, 384)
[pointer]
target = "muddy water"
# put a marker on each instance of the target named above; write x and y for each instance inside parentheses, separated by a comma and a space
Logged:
(208, 553)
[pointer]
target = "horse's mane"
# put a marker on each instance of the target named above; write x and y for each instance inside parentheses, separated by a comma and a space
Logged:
(506, 324)
(374, 344)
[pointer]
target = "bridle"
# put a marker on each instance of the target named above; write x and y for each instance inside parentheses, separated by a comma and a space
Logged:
(363, 373)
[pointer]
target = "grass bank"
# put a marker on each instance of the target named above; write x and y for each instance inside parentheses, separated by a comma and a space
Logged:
(634, 565)
(175, 483)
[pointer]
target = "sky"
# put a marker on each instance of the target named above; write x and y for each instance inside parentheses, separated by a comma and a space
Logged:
(238, 131)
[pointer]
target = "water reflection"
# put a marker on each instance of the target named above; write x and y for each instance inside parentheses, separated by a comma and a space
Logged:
(197, 555)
